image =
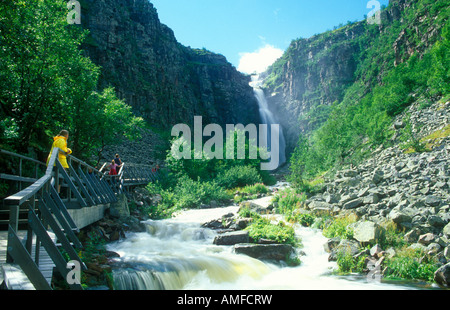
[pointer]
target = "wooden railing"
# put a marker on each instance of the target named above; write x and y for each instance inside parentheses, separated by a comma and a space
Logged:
(53, 213)
(47, 206)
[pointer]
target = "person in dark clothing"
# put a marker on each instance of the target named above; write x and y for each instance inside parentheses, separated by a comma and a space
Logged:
(118, 162)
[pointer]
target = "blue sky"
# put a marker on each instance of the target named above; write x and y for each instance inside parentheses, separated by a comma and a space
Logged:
(243, 29)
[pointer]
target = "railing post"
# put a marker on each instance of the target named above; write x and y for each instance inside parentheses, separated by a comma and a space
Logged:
(55, 169)
(14, 226)
(14, 217)
(20, 173)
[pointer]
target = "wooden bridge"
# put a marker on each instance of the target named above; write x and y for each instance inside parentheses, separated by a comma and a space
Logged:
(50, 205)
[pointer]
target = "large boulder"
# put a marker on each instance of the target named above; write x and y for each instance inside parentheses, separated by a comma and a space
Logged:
(399, 217)
(442, 275)
(320, 207)
(120, 208)
(277, 252)
(232, 238)
(367, 232)
(432, 201)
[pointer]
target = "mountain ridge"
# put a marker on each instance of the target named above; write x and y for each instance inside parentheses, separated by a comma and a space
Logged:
(316, 73)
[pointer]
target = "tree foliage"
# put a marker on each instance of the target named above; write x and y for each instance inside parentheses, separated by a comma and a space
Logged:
(47, 83)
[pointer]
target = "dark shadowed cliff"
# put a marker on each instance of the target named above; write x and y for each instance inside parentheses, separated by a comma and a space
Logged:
(165, 82)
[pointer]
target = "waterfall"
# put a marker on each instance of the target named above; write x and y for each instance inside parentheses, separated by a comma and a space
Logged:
(268, 118)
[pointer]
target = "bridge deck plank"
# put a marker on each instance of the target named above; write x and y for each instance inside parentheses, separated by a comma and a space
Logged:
(45, 262)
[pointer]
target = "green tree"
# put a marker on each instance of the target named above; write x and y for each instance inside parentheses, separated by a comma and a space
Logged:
(38, 50)
(47, 83)
(102, 120)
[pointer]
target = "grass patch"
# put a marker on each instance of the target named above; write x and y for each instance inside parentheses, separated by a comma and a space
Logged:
(248, 192)
(433, 140)
(263, 228)
(411, 264)
(339, 227)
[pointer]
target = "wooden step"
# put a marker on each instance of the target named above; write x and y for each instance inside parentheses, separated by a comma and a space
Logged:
(15, 279)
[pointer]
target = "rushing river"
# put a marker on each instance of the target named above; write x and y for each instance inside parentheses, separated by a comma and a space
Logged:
(178, 254)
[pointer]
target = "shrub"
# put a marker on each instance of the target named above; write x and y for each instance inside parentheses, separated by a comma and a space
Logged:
(303, 219)
(186, 194)
(392, 236)
(350, 264)
(288, 200)
(247, 212)
(257, 188)
(262, 228)
(238, 176)
(339, 227)
(191, 194)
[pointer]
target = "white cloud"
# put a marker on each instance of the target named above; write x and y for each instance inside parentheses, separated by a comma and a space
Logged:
(259, 60)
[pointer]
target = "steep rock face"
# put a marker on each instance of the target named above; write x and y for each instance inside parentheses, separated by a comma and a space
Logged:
(316, 72)
(164, 81)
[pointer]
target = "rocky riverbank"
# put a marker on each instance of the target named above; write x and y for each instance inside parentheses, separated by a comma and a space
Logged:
(401, 185)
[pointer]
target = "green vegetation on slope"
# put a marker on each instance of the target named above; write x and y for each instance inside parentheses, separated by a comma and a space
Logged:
(361, 120)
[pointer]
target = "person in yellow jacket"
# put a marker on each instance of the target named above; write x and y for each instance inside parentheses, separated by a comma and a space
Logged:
(60, 141)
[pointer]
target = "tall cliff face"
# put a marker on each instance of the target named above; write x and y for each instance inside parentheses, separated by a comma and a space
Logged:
(164, 81)
(316, 72)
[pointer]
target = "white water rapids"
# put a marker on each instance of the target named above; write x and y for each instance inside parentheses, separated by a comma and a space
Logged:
(178, 254)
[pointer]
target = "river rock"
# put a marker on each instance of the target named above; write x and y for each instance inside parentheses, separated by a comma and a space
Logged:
(262, 205)
(442, 275)
(351, 247)
(277, 252)
(399, 217)
(446, 230)
(331, 244)
(232, 238)
(367, 232)
(426, 239)
(376, 250)
(353, 204)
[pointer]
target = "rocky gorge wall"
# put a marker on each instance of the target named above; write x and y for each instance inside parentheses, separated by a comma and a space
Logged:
(314, 73)
(165, 82)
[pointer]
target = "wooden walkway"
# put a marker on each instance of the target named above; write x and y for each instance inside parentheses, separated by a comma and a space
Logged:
(88, 192)
(16, 278)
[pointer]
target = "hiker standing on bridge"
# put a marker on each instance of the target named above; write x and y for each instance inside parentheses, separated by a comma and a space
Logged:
(118, 162)
(60, 141)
